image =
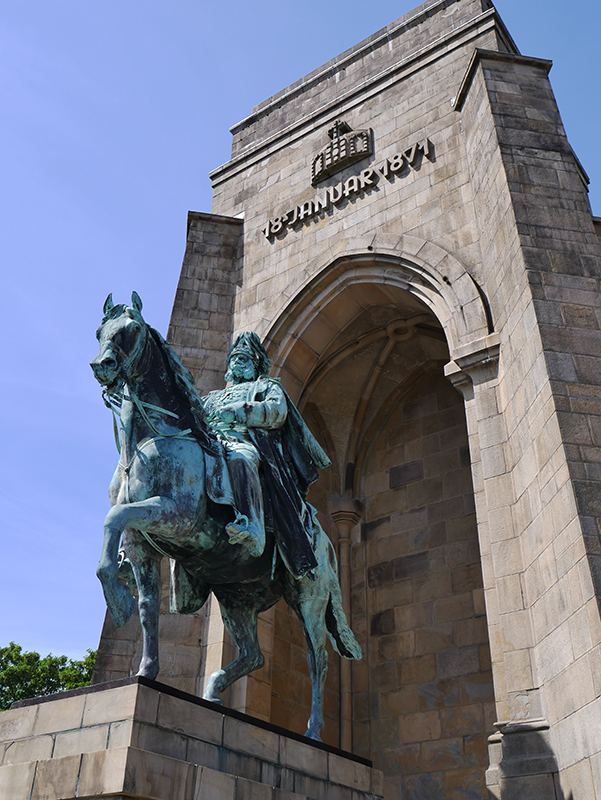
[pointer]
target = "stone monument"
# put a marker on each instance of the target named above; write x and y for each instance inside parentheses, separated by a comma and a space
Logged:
(408, 230)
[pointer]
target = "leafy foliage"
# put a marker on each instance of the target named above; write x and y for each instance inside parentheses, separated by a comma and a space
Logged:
(27, 674)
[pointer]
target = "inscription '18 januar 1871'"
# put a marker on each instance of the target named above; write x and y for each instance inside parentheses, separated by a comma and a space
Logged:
(357, 184)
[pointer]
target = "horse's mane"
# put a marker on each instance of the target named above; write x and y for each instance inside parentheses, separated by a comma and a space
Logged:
(187, 392)
(184, 380)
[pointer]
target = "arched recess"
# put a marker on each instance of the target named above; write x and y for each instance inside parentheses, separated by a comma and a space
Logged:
(427, 273)
(362, 348)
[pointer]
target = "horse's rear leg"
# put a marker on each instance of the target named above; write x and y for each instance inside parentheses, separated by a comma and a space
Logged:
(146, 563)
(309, 599)
(240, 619)
(311, 613)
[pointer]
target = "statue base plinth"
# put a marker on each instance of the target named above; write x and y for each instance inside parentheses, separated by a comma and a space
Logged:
(138, 738)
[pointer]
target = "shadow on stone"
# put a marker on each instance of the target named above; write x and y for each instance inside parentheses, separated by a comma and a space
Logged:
(523, 765)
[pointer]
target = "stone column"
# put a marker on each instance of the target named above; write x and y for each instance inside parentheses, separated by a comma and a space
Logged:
(474, 372)
(346, 513)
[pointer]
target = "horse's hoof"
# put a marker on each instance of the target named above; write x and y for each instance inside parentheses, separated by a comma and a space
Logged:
(214, 687)
(148, 670)
(312, 735)
(217, 700)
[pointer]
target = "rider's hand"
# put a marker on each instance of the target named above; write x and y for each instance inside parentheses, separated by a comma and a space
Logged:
(232, 413)
(227, 414)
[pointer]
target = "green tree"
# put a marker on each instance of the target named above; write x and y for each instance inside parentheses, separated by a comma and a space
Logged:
(27, 674)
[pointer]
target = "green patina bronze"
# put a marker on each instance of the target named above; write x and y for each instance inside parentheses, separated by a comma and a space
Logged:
(217, 484)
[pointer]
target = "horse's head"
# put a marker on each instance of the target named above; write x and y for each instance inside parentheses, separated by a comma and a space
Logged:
(123, 338)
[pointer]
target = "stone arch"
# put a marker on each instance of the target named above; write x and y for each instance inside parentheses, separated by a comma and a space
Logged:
(362, 346)
(421, 268)
(384, 269)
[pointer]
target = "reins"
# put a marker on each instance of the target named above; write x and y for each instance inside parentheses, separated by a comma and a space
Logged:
(114, 402)
(140, 405)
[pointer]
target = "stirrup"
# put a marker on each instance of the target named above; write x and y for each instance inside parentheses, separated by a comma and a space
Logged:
(246, 533)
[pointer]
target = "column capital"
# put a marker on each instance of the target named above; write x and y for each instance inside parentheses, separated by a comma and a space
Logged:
(474, 363)
(345, 511)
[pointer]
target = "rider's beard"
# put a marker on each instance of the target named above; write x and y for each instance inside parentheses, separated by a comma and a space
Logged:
(238, 373)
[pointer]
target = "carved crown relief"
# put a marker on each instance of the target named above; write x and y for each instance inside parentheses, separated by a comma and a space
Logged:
(346, 147)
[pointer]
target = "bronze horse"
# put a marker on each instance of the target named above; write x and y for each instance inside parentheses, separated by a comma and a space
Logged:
(160, 508)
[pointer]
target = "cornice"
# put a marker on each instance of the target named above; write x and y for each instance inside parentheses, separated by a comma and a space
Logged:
(336, 64)
(481, 54)
(208, 217)
(401, 69)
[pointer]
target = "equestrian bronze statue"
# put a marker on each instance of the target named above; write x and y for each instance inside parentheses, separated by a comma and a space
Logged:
(218, 485)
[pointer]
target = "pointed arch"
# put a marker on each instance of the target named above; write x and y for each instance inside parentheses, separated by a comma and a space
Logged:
(381, 271)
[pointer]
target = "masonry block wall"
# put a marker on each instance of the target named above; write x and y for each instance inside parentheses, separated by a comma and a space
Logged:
(427, 704)
(269, 173)
(201, 321)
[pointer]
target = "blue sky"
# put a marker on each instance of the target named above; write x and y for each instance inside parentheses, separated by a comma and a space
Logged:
(113, 114)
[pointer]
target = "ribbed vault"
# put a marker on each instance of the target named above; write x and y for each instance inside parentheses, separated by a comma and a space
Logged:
(353, 340)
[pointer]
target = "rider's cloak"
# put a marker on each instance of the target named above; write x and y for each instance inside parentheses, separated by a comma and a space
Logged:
(290, 459)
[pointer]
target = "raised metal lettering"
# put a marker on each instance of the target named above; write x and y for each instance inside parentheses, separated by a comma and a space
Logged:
(382, 169)
(397, 162)
(306, 210)
(366, 178)
(355, 184)
(321, 203)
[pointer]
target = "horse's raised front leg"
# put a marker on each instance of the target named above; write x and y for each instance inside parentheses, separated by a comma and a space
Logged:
(119, 600)
(146, 564)
(157, 514)
(240, 618)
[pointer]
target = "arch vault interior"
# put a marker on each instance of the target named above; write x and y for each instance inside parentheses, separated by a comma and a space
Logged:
(366, 370)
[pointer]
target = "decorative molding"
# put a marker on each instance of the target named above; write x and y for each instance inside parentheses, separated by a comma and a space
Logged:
(521, 726)
(345, 511)
(207, 217)
(474, 362)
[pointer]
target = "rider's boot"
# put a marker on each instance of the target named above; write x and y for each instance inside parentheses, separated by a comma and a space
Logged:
(248, 528)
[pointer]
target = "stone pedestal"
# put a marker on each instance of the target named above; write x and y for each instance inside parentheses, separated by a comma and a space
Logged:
(522, 763)
(138, 738)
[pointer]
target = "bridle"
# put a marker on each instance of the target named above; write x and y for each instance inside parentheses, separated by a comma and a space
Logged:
(136, 356)
(133, 364)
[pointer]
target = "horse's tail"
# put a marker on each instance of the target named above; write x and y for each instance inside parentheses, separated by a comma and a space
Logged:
(341, 636)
